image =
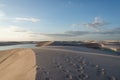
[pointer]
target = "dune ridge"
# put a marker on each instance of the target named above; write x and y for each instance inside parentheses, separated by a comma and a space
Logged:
(17, 64)
(44, 43)
(95, 45)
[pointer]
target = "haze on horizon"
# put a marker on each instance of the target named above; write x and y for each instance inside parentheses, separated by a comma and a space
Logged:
(38, 20)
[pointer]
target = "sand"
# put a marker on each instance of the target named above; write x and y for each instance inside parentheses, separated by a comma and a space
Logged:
(44, 43)
(17, 64)
(58, 63)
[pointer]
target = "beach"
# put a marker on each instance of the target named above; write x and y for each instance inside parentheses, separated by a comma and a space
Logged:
(58, 63)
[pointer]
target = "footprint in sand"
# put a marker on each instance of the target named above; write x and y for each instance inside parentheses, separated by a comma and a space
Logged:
(112, 78)
(83, 76)
(69, 76)
(47, 78)
(66, 71)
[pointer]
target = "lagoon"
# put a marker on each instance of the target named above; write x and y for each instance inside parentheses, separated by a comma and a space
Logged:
(17, 46)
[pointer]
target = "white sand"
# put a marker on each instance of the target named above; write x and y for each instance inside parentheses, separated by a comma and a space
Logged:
(17, 64)
(58, 63)
(67, 64)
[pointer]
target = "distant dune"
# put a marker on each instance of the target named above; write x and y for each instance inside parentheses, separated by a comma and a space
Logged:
(17, 64)
(114, 46)
(44, 43)
(58, 43)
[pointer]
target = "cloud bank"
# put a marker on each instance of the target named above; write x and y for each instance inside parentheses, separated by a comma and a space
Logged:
(20, 33)
(115, 31)
(34, 20)
(17, 29)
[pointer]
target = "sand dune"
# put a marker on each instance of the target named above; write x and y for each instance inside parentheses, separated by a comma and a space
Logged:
(44, 43)
(95, 45)
(58, 63)
(17, 64)
(59, 43)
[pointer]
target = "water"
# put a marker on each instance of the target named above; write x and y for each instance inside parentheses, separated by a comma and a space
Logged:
(110, 51)
(17, 46)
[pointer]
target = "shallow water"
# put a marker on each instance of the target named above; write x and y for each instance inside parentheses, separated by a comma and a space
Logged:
(17, 46)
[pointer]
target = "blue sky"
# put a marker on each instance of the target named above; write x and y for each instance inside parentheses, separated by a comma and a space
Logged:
(59, 20)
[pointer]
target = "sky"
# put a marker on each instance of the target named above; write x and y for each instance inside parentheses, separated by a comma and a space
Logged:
(39, 20)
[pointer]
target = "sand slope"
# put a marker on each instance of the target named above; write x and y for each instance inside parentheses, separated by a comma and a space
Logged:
(17, 64)
(44, 43)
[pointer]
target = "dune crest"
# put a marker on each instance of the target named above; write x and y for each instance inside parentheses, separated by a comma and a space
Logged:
(17, 64)
(45, 43)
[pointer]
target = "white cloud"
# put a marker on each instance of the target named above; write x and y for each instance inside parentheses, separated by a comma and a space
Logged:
(13, 29)
(8, 33)
(17, 33)
(98, 22)
(17, 29)
(4, 17)
(74, 34)
(27, 19)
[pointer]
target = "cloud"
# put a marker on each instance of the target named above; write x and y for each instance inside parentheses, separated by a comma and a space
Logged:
(115, 31)
(59, 35)
(34, 20)
(4, 17)
(98, 22)
(17, 29)
(77, 33)
(14, 29)
(8, 33)
(65, 34)
(52, 35)
(110, 32)
(17, 33)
